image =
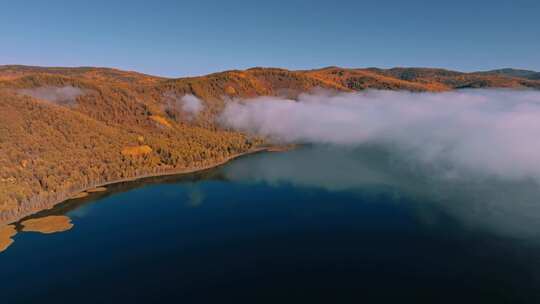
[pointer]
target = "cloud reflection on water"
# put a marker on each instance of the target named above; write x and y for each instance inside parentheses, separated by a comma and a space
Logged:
(503, 207)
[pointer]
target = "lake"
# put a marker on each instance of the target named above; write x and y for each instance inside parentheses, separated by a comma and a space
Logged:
(317, 224)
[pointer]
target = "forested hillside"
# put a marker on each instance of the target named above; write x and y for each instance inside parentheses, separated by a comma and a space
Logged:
(63, 130)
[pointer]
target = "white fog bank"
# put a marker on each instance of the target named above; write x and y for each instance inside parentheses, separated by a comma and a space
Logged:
(494, 132)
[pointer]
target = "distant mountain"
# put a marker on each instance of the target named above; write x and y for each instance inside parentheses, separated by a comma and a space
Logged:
(527, 74)
(418, 79)
(63, 130)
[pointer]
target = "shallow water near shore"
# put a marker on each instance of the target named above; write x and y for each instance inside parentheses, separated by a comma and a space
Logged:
(311, 225)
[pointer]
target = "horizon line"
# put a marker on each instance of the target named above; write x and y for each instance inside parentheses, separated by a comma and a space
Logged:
(261, 67)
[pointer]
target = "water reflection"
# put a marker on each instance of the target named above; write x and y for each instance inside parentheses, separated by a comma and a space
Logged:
(504, 207)
(195, 195)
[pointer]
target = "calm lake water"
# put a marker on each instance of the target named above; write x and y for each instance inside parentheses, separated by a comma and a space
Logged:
(305, 226)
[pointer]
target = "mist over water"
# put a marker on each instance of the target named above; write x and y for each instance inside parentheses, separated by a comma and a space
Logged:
(460, 133)
(500, 207)
(472, 153)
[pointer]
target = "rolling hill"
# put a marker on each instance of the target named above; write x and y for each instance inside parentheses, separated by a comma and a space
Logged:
(64, 130)
(527, 74)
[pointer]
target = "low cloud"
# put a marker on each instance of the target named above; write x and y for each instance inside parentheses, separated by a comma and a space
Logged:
(191, 104)
(488, 132)
(66, 95)
(188, 104)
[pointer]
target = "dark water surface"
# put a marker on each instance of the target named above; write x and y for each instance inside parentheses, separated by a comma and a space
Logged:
(306, 226)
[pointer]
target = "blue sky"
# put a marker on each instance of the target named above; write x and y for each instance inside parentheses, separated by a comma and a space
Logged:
(180, 38)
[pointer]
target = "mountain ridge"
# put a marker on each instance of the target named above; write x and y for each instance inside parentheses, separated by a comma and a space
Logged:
(400, 73)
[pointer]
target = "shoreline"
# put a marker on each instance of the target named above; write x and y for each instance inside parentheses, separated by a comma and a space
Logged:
(69, 196)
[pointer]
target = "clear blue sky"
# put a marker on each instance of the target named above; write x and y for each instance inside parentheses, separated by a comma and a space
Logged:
(178, 38)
